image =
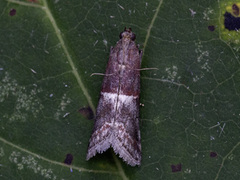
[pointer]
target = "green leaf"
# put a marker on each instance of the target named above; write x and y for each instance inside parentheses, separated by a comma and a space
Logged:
(190, 118)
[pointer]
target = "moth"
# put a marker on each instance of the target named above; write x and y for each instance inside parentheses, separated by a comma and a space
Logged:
(117, 115)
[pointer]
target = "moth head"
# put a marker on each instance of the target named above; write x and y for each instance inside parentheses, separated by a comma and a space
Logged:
(127, 33)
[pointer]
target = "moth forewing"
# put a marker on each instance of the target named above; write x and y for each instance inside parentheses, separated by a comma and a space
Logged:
(117, 116)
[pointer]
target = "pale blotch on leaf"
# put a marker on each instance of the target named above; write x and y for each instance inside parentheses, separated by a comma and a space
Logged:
(207, 12)
(29, 162)
(188, 171)
(26, 102)
(172, 73)
(105, 42)
(62, 106)
(202, 60)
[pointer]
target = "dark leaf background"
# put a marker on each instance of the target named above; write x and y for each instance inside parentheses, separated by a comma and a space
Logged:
(190, 118)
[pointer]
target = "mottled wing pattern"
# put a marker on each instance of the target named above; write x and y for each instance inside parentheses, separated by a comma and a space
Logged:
(102, 132)
(126, 130)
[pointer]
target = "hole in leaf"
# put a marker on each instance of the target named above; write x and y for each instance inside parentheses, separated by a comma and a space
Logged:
(230, 22)
(12, 12)
(235, 9)
(213, 154)
(176, 168)
(68, 160)
(211, 28)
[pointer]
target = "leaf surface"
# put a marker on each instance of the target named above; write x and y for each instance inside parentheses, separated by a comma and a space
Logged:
(190, 118)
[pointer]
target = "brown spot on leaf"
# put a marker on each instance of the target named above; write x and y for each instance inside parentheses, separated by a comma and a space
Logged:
(235, 9)
(177, 167)
(86, 112)
(68, 160)
(12, 12)
(211, 28)
(213, 154)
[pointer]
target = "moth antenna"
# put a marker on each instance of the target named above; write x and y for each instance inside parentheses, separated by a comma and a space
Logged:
(146, 69)
(100, 74)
